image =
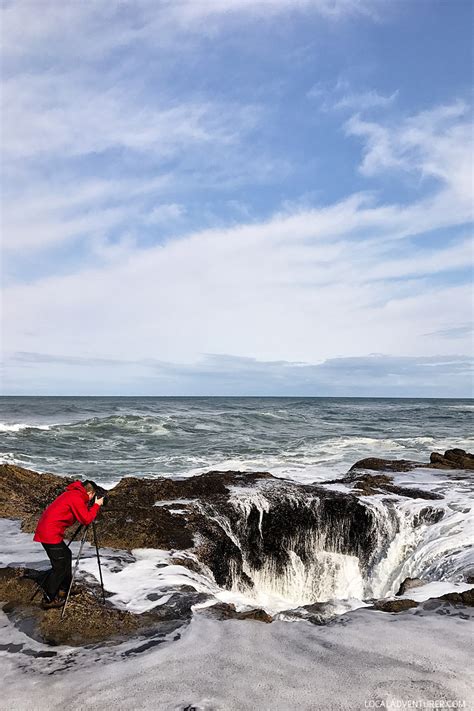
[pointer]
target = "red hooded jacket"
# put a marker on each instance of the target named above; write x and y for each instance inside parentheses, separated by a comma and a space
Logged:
(63, 512)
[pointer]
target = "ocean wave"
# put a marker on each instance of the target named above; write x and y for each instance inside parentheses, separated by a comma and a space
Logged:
(136, 423)
(23, 460)
(21, 426)
(133, 423)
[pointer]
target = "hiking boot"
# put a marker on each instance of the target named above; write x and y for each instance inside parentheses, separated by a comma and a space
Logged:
(62, 594)
(48, 604)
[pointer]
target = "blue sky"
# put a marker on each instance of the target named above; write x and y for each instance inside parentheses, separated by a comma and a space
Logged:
(236, 197)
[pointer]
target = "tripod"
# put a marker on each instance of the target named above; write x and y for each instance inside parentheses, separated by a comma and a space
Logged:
(83, 540)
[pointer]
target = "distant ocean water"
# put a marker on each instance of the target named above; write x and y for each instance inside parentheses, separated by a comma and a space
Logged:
(306, 439)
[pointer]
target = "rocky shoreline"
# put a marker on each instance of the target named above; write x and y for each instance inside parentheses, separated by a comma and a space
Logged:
(185, 517)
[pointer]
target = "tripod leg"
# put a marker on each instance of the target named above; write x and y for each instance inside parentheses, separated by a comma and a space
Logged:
(98, 560)
(83, 539)
(74, 535)
(39, 586)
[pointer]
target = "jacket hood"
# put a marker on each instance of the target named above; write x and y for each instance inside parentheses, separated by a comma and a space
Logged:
(77, 486)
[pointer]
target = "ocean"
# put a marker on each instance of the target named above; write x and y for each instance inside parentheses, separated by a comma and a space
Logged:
(304, 439)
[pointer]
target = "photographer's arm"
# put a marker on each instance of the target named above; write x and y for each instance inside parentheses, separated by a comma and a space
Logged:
(82, 513)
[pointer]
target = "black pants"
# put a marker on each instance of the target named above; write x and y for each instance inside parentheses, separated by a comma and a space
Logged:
(59, 577)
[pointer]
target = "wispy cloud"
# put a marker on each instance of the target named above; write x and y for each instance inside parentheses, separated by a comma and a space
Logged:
(365, 100)
(462, 331)
(90, 30)
(165, 213)
(342, 96)
(436, 143)
(62, 115)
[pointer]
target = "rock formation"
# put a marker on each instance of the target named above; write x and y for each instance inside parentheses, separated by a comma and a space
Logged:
(238, 525)
(451, 459)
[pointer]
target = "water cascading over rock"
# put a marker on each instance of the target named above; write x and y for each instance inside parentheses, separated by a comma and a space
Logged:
(290, 542)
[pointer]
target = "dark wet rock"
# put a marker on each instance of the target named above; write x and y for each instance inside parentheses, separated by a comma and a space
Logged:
(367, 484)
(15, 589)
(452, 459)
(212, 528)
(443, 602)
(257, 614)
(462, 598)
(131, 520)
(295, 515)
(445, 609)
(189, 563)
(370, 484)
(394, 605)
(409, 584)
(427, 516)
(318, 613)
(221, 535)
(469, 577)
(213, 531)
(227, 611)
(25, 493)
(386, 465)
(219, 611)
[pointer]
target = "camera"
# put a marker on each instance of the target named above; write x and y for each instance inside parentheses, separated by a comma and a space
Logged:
(101, 493)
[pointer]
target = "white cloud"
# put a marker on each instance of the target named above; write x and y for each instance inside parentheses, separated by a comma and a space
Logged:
(61, 116)
(58, 113)
(92, 29)
(301, 287)
(48, 214)
(435, 143)
(365, 100)
(295, 288)
(341, 96)
(167, 212)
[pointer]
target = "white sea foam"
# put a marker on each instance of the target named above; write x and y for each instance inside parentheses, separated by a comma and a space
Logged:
(151, 572)
(435, 589)
(173, 502)
(20, 426)
(243, 666)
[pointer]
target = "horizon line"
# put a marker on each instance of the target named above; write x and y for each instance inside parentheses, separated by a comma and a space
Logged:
(281, 397)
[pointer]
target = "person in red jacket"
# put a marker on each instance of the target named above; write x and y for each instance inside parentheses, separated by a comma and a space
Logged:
(69, 508)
